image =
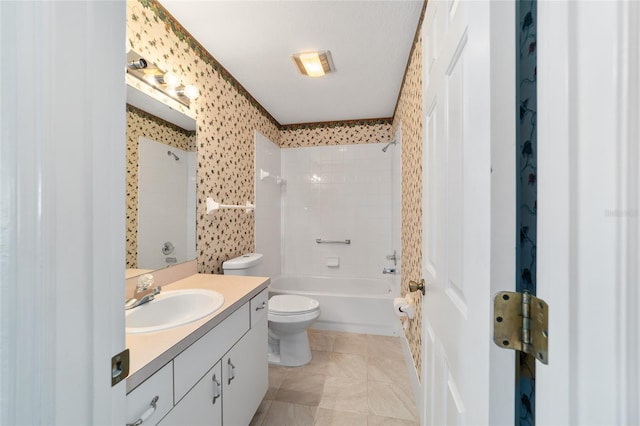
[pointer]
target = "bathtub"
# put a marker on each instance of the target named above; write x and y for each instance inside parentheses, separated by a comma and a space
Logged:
(356, 305)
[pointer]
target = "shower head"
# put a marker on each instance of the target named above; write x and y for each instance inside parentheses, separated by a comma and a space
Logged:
(387, 146)
(171, 154)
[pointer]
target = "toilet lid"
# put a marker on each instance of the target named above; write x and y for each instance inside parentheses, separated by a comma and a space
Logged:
(292, 304)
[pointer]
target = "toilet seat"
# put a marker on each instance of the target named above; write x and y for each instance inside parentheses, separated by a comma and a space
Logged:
(289, 304)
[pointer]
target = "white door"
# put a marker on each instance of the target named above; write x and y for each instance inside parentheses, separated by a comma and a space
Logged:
(588, 211)
(468, 208)
(62, 211)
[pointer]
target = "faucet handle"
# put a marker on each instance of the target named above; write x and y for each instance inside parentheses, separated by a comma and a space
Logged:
(144, 282)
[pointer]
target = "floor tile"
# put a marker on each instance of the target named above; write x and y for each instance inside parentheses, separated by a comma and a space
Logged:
(301, 388)
(321, 340)
(318, 365)
(345, 394)
(347, 365)
(391, 400)
(261, 413)
(287, 414)
(389, 421)
(385, 347)
(349, 343)
(326, 417)
(276, 377)
(388, 370)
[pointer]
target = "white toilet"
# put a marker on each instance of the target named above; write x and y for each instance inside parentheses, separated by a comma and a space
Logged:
(289, 317)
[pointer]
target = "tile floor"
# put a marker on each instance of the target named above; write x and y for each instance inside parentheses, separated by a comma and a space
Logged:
(353, 379)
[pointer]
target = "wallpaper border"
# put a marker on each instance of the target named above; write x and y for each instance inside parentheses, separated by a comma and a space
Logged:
(332, 124)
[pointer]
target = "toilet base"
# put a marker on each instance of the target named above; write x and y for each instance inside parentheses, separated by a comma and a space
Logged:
(291, 350)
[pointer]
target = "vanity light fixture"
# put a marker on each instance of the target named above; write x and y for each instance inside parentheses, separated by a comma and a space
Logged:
(167, 82)
(314, 64)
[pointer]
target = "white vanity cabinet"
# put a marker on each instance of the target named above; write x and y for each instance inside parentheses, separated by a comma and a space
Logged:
(245, 378)
(219, 380)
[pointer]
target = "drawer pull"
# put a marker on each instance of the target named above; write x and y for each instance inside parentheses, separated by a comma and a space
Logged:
(264, 305)
(232, 371)
(152, 409)
(216, 389)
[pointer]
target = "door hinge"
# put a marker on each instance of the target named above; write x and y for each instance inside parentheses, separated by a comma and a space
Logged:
(520, 322)
(119, 367)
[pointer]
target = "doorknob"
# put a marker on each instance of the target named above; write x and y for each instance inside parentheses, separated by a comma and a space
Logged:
(415, 286)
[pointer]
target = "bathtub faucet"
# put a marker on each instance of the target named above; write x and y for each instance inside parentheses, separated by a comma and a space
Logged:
(389, 271)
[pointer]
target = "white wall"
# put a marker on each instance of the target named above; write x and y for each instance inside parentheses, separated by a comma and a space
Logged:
(166, 202)
(337, 193)
(268, 211)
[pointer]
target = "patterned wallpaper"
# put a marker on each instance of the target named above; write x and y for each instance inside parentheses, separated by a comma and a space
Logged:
(140, 123)
(409, 113)
(341, 133)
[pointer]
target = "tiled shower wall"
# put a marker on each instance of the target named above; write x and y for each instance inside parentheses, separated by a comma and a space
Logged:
(340, 192)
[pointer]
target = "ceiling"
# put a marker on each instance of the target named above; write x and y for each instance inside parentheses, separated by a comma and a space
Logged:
(369, 40)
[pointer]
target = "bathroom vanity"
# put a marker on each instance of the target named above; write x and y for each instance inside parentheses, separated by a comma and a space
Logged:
(213, 371)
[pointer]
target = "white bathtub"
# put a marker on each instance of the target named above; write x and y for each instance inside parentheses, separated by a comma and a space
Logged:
(357, 305)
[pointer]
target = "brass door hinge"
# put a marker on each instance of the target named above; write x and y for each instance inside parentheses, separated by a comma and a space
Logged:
(119, 367)
(520, 322)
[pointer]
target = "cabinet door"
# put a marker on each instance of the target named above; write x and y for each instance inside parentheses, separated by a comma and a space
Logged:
(245, 376)
(202, 405)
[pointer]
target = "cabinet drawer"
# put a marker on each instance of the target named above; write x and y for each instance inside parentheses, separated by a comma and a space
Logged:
(198, 358)
(259, 307)
(139, 399)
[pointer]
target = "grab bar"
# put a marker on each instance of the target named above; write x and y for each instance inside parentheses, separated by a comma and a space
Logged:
(321, 241)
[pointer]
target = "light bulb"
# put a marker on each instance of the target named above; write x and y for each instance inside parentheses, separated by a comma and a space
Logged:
(191, 91)
(171, 79)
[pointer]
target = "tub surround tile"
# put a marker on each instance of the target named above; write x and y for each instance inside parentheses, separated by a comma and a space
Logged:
(391, 400)
(326, 417)
(301, 388)
(345, 394)
(288, 414)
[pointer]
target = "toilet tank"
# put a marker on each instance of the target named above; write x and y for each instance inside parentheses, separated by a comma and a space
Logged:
(247, 264)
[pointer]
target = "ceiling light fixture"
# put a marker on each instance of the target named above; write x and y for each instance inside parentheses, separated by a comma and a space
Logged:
(314, 64)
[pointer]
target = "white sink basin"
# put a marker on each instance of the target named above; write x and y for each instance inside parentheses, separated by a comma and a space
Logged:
(172, 309)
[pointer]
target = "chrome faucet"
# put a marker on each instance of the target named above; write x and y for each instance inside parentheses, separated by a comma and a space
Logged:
(389, 271)
(142, 294)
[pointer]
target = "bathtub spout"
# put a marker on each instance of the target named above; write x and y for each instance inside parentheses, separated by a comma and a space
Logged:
(389, 271)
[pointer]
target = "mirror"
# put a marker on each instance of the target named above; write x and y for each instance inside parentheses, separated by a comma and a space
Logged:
(160, 182)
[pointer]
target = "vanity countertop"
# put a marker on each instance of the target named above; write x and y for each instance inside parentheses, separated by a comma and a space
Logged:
(148, 352)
